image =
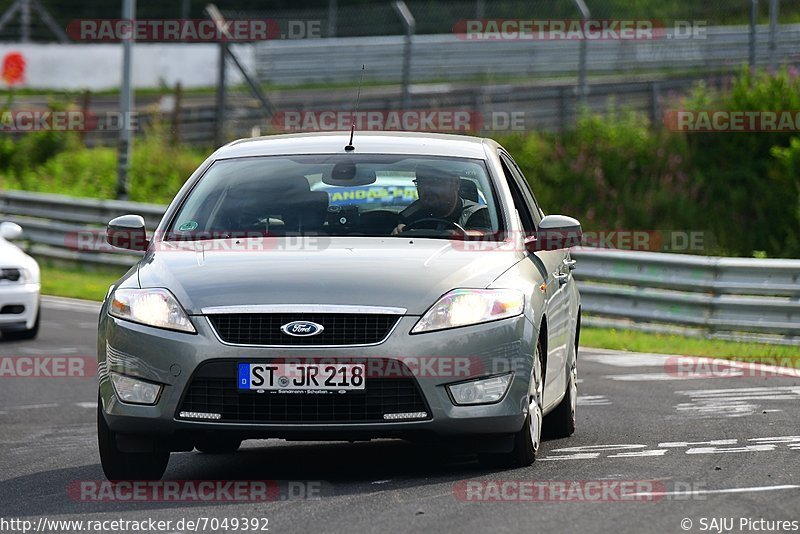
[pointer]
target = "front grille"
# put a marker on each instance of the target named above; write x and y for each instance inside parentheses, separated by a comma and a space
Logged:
(212, 390)
(12, 275)
(340, 328)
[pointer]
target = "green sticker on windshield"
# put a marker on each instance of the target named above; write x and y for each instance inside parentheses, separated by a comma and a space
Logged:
(188, 226)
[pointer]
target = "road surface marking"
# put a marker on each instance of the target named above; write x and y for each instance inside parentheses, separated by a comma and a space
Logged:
(716, 491)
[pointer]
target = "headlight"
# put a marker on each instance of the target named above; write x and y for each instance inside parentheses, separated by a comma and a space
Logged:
(134, 391)
(461, 307)
(24, 276)
(483, 391)
(153, 307)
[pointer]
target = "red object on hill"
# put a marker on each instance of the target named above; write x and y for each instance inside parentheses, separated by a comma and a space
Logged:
(13, 70)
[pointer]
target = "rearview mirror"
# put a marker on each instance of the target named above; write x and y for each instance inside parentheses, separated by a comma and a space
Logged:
(10, 231)
(127, 232)
(555, 232)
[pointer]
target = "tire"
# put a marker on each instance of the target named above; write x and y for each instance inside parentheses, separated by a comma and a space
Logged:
(218, 445)
(22, 335)
(560, 423)
(529, 438)
(118, 465)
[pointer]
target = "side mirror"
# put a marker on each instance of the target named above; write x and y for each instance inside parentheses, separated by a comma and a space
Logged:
(555, 232)
(127, 232)
(10, 231)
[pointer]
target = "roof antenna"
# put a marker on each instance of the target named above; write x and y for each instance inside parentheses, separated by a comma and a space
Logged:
(350, 146)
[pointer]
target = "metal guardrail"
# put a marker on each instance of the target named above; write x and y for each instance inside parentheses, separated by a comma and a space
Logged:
(449, 57)
(68, 228)
(726, 298)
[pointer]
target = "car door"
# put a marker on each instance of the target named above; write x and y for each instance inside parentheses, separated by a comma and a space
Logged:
(555, 266)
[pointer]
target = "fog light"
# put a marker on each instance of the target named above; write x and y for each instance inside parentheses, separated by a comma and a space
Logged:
(134, 391)
(483, 391)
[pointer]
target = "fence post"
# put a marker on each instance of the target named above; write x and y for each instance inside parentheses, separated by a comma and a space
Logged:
(126, 105)
(86, 100)
(411, 24)
(655, 108)
(583, 89)
(333, 17)
(219, 126)
(176, 114)
(753, 21)
(773, 30)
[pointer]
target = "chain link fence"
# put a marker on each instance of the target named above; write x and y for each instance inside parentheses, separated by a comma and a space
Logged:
(358, 18)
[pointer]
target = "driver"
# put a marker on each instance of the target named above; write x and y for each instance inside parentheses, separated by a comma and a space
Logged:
(439, 198)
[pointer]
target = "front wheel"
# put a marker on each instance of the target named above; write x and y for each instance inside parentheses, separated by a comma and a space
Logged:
(528, 439)
(119, 465)
(560, 423)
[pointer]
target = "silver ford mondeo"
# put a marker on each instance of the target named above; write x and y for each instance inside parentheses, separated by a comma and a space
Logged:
(325, 287)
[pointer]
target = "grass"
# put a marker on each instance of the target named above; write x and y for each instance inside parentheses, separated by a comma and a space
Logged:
(674, 344)
(77, 282)
(92, 284)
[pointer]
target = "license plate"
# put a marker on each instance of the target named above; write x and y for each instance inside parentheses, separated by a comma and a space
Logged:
(301, 377)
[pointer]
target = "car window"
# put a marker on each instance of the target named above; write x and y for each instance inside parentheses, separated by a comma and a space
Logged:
(357, 195)
(520, 202)
(524, 188)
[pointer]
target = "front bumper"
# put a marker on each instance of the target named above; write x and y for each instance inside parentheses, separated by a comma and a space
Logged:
(25, 295)
(171, 358)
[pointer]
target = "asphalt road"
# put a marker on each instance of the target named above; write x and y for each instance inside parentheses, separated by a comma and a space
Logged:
(694, 448)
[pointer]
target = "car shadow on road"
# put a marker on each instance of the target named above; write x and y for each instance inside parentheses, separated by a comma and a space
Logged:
(341, 468)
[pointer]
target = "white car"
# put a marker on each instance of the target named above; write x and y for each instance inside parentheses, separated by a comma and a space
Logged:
(19, 288)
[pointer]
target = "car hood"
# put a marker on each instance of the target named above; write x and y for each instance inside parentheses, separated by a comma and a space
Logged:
(394, 272)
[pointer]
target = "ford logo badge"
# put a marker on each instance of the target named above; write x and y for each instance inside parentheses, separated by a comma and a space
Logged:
(302, 329)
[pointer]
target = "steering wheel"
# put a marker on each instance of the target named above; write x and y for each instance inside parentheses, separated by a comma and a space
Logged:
(440, 225)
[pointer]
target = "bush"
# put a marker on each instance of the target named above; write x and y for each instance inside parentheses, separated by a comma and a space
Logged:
(747, 193)
(157, 171)
(617, 171)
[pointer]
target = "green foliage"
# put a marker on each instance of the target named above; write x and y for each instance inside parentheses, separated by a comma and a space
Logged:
(751, 196)
(158, 169)
(617, 171)
(614, 171)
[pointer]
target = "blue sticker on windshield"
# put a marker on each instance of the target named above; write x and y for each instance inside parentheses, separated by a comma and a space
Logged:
(188, 226)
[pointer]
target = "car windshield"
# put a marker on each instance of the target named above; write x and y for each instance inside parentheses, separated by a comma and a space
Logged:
(340, 195)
